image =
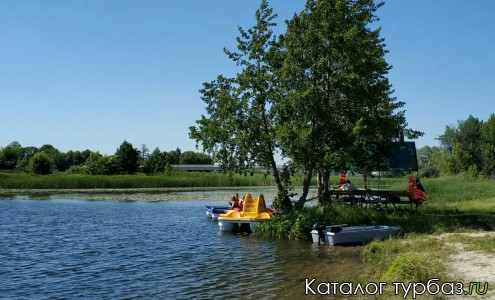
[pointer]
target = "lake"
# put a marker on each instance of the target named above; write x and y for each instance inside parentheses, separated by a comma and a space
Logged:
(149, 246)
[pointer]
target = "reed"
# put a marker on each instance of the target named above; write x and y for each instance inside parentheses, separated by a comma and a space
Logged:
(173, 179)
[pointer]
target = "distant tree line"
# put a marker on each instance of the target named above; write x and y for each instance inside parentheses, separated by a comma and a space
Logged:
(466, 148)
(126, 160)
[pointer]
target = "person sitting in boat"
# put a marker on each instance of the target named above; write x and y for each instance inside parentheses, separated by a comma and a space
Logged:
(348, 186)
(241, 202)
(233, 203)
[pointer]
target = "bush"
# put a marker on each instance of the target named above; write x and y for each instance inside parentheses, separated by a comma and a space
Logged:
(9, 156)
(76, 170)
(429, 172)
(41, 164)
(23, 165)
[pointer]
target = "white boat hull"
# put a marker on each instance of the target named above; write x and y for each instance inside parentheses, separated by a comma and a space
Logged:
(234, 225)
(211, 215)
(356, 234)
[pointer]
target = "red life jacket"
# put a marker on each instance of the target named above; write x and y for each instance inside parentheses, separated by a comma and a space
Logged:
(341, 181)
(417, 195)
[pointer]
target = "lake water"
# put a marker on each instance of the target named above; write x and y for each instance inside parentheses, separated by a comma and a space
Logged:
(66, 247)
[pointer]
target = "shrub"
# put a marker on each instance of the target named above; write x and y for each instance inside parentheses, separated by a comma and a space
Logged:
(429, 172)
(41, 164)
(23, 165)
(76, 170)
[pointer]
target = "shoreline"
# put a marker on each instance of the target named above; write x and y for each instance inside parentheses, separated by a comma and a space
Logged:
(121, 190)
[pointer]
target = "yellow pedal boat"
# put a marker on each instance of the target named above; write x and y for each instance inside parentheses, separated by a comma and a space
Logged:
(253, 212)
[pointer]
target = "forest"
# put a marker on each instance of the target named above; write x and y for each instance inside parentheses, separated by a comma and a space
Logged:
(126, 160)
(466, 148)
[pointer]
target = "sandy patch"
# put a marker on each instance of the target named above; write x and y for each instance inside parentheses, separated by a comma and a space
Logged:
(471, 266)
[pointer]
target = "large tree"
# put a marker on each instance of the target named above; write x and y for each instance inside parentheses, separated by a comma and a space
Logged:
(126, 158)
(319, 94)
(338, 108)
(41, 163)
(10, 155)
(157, 161)
(238, 130)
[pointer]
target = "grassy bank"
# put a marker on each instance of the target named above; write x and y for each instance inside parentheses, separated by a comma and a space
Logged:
(454, 204)
(174, 179)
(434, 239)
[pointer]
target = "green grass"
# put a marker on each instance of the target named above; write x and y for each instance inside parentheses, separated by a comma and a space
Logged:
(454, 204)
(174, 179)
(484, 244)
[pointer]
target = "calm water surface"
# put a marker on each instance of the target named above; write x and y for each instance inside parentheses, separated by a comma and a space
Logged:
(64, 248)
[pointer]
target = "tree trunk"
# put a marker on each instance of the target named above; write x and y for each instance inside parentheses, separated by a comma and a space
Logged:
(306, 185)
(270, 150)
(320, 183)
(278, 182)
(323, 186)
(326, 181)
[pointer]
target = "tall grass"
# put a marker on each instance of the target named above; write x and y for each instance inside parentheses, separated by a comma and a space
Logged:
(454, 204)
(413, 260)
(174, 179)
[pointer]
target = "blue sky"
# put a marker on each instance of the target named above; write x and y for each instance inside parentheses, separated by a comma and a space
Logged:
(89, 74)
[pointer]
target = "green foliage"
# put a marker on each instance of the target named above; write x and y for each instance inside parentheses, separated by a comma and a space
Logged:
(428, 156)
(157, 161)
(23, 165)
(429, 172)
(76, 158)
(144, 153)
(319, 94)
(41, 164)
(338, 110)
(175, 156)
(468, 148)
(488, 147)
(283, 204)
(194, 158)
(28, 152)
(447, 139)
(59, 159)
(10, 156)
(126, 158)
(76, 170)
(239, 131)
(97, 164)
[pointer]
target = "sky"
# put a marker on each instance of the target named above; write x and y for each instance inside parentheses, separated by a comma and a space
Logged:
(91, 74)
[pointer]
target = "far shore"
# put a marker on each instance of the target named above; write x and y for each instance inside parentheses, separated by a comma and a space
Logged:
(130, 190)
